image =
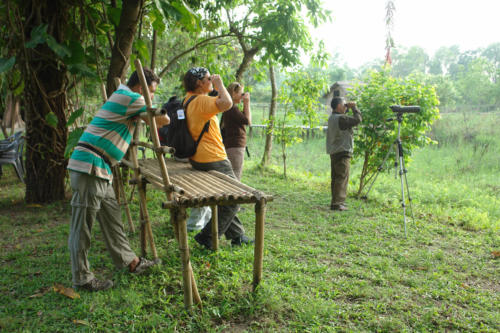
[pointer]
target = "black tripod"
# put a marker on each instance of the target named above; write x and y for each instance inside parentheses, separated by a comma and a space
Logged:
(402, 170)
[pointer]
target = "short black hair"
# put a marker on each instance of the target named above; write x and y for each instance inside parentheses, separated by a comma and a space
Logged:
(192, 76)
(148, 74)
(336, 101)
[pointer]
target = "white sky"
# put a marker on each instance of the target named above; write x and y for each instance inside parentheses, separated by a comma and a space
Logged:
(357, 31)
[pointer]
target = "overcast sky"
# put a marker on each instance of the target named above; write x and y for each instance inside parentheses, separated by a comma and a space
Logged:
(358, 30)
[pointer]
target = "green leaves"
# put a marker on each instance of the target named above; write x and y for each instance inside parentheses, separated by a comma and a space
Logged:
(51, 119)
(73, 138)
(376, 134)
(74, 116)
(6, 64)
(39, 35)
(181, 12)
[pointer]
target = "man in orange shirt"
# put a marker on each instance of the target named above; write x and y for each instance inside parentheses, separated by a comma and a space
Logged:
(210, 154)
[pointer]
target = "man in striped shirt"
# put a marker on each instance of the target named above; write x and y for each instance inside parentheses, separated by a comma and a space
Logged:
(104, 143)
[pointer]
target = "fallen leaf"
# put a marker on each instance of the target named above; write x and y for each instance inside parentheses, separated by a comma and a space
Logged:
(68, 292)
(465, 286)
(36, 295)
(34, 206)
(80, 322)
(39, 313)
(495, 254)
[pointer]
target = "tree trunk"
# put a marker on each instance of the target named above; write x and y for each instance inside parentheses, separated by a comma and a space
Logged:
(122, 48)
(272, 112)
(245, 63)
(45, 92)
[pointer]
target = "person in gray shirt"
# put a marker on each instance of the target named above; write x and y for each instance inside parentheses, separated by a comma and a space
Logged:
(339, 145)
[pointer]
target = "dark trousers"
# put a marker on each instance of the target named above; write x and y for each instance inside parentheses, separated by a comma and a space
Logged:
(229, 224)
(340, 178)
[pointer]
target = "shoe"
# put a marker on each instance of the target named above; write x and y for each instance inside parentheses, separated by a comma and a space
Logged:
(206, 242)
(144, 265)
(338, 207)
(96, 285)
(238, 241)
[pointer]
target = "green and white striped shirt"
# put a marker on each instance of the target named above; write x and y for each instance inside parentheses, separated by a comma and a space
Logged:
(110, 132)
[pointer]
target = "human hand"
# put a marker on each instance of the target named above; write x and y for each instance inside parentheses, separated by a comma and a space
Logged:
(216, 81)
(246, 97)
(351, 105)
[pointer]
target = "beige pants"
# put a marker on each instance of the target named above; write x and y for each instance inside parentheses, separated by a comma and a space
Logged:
(94, 198)
(236, 156)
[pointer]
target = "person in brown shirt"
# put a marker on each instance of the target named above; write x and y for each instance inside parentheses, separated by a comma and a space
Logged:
(233, 123)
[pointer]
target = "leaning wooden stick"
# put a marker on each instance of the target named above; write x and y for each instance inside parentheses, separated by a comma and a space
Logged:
(180, 219)
(215, 228)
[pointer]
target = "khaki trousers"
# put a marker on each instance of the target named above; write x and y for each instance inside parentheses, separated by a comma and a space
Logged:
(236, 157)
(340, 178)
(94, 198)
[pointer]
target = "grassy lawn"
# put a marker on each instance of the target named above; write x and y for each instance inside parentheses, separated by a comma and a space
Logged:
(323, 270)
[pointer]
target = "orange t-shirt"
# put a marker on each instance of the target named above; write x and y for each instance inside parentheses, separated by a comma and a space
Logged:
(201, 109)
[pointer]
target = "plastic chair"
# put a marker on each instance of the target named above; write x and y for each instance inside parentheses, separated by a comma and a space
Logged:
(11, 152)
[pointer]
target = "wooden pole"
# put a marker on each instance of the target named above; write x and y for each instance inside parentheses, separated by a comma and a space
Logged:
(260, 212)
(215, 228)
(174, 216)
(143, 231)
(153, 129)
(184, 249)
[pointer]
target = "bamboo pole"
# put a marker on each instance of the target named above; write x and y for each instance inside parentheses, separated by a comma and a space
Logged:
(184, 249)
(188, 276)
(174, 215)
(153, 129)
(260, 211)
(142, 226)
(215, 228)
(147, 223)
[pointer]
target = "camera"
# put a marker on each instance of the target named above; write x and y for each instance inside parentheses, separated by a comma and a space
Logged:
(405, 109)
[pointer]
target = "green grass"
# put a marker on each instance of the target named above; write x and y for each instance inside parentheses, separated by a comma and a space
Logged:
(323, 271)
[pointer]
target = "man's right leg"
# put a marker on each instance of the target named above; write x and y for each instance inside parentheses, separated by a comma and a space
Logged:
(82, 218)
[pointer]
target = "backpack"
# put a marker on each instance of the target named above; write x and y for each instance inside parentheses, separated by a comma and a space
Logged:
(176, 134)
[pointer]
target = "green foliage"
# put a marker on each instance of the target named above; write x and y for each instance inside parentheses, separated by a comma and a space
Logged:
(51, 119)
(73, 138)
(300, 93)
(6, 64)
(375, 135)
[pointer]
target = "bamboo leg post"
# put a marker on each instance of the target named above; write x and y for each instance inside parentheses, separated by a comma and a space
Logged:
(147, 224)
(260, 211)
(215, 228)
(143, 232)
(196, 295)
(184, 249)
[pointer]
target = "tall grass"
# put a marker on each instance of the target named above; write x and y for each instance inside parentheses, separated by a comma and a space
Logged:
(459, 175)
(323, 271)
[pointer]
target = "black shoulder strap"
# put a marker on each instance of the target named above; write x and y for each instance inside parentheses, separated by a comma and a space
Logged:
(189, 101)
(207, 124)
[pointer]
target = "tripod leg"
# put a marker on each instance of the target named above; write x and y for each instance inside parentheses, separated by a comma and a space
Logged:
(401, 173)
(408, 191)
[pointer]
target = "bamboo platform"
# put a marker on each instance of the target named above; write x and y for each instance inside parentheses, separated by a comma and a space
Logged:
(186, 187)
